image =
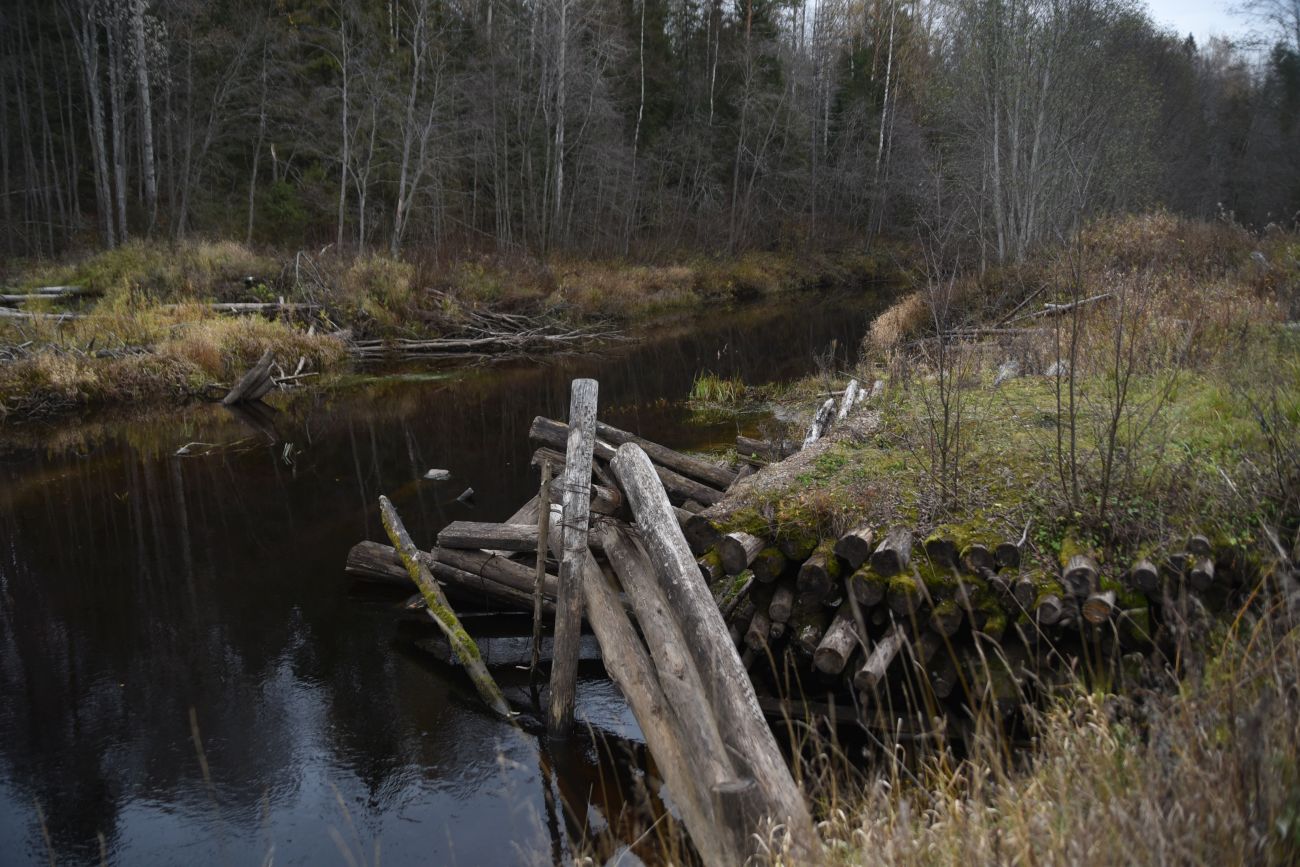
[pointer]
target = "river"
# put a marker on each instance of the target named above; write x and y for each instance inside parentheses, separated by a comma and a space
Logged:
(187, 677)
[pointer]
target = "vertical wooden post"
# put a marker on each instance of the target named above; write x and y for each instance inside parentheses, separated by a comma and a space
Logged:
(576, 486)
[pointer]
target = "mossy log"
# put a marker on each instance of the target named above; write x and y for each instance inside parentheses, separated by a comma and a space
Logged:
(871, 675)
(711, 567)
(867, 586)
(1049, 608)
(796, 543)
(738, 549)
(702, 533)
(893, 553)
(729, 591)
(941, 549)
(820, 573)
(943, 674)
(947, 617)
(441, 612)
(1079, 569)
(855, 546)
(838, 643)
(1024, 590)
(906, 595)
(768, 565)
(976, 558)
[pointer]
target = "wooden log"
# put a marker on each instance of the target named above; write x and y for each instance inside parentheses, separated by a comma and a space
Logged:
(769, 565)
(867, 586)
(502, 570)
(576, 488)
(701, 533)
(1049, 610)
(541, 537)
(254, 384)
(760, 627)
(1007, 555)
(1201, 575)
(855, 546)
(441, 612)
(1024, 591)
(738, 550)
(763, 450)
(839, 642)
(502, 651)
(709, 473)
(872, 673)
(630, 667)
(1199, 546)
(601, 499)
(730, 592)
(906, 594)
(821, 422)
(1079, 577)
(746, 470)
(976, 558)
(820, 573)
(724, 676)
(374, 561)
(474, 535)
(851, 393)
(782, 602)
(711, 567)
(1099, 607)
(894, 552)
(1145, 576)
(941, 550)
(680, 488)
(6, 313)
(808, 623)
(947, 617)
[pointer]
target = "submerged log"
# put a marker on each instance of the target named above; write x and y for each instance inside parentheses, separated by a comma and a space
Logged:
(441, 612)
(576, 488)
(731, 693)
(255, 384)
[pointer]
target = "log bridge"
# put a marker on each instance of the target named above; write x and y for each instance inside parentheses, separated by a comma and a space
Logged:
(708, 617)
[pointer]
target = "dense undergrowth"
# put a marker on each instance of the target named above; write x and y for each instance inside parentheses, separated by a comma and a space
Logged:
(146, 336)
(1167, 406)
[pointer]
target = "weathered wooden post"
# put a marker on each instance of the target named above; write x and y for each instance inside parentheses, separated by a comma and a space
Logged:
(576, 485)
(539, 575)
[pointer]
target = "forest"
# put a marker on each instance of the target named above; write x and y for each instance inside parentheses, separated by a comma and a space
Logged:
(632, 128)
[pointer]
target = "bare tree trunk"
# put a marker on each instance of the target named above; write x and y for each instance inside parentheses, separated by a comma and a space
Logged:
(82, 19)
(257, 152)
(561, 96)
(148, 163)
(119, 124)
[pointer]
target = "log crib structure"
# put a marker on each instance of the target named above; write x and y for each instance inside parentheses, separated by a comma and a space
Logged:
(713, 622)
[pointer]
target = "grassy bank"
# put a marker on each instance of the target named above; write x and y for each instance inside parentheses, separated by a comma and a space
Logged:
(145, 334)
(1166, 404)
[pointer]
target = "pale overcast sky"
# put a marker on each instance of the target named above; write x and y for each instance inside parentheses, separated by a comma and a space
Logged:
(1201, 18)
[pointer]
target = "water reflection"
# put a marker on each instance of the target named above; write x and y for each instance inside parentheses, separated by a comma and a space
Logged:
(137, 585)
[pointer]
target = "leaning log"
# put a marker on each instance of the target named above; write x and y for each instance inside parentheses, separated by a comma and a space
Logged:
(872, 672)
(253, 385)
(441, 612)
(576, 487)
(695, 468)
(731, 694)
(820, 423)
(680, 488)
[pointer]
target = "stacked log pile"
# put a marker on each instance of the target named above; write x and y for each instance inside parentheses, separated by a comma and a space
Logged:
(735, 617)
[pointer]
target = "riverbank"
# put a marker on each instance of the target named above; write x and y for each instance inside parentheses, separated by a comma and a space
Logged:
(150, 327)
(1121, 398)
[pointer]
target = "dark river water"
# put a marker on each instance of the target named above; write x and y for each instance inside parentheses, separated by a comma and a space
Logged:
(187, 677)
